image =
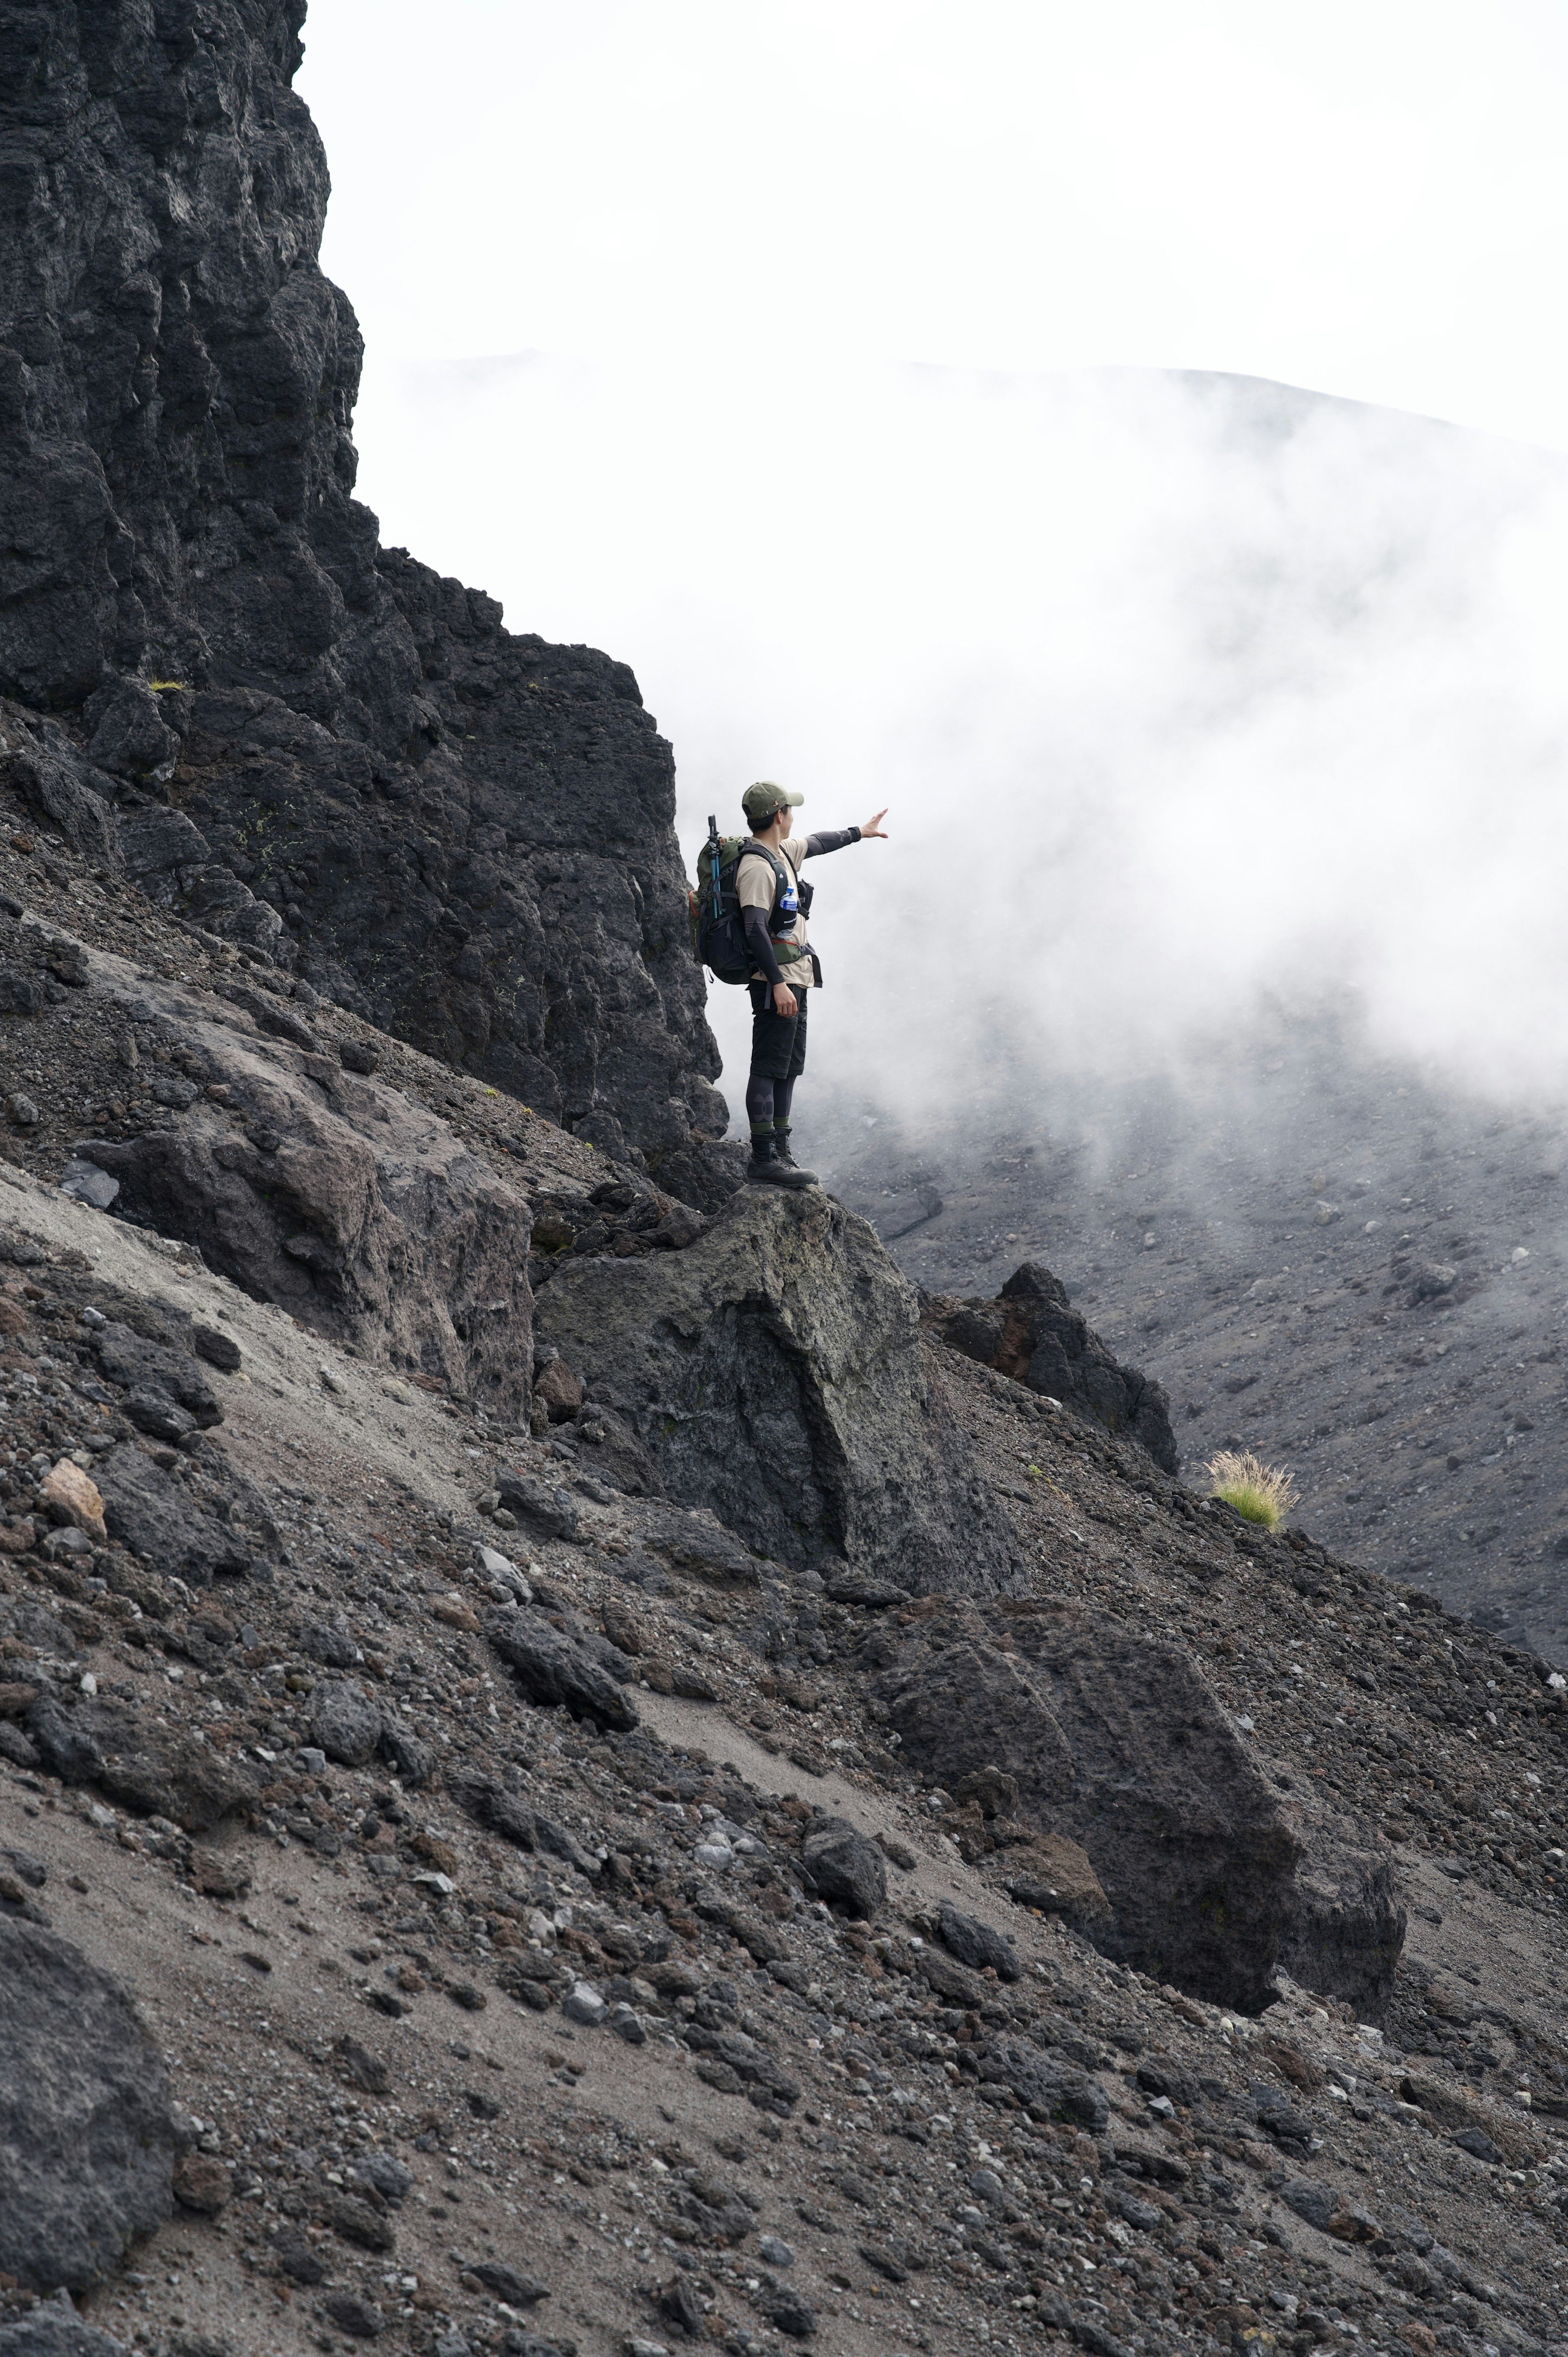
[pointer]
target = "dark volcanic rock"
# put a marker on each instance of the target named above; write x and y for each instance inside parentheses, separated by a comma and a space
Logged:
(296, 2258)
(344, 1200)
(1044, 2082)
(1116, 1740)
(775, 1372)
(694, 1538)
(414, 1760)
(361, 2319)
(787, 2310)
(845, 1866)
(552, 1667)
(158, 1520)
(543, 1511)
(334, 1648)
(976, 1945)
(153, 1771)
(16, 1746)
(518, 2291)
(346, 1723)
(65, 1741)
(501, 1812)
(468, 834)
(130, 1359)
(56, 2330)
(87, 2136)
(1032, 1332)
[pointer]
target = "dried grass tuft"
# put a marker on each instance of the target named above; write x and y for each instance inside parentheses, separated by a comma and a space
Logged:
(1258, 1492)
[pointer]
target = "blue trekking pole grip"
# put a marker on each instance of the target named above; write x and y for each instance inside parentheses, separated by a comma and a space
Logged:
(714, 848)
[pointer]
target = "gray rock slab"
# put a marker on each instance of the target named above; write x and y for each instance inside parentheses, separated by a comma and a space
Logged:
(150, 1769)
(552, 1667)
(977, 1944)
(56, 2330)
(87, 2134)
(132, 1360)
(1118, 1741)
(777, 1373)
(164, 1525)
(1031, 1332)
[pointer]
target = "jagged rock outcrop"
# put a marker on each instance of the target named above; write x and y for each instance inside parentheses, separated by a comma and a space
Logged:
(87, 2129)
(319, 1187)
(1032, 1333)
(329, 754)
(775, 1371)
(1117, 1741)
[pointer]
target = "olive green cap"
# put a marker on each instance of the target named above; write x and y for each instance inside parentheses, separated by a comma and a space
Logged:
(759, 802)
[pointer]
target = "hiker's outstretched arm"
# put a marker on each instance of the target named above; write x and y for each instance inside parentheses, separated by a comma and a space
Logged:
(834, 838)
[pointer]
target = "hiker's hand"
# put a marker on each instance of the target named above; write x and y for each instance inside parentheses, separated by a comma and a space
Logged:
(784, 1000)
(875, 828)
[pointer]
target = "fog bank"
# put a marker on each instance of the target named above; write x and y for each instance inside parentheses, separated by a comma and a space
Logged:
(1186, 692)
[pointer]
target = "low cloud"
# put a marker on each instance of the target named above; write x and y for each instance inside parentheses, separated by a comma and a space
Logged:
(1192, 696)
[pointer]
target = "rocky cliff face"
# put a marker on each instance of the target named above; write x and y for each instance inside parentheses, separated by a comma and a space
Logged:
(352, 770)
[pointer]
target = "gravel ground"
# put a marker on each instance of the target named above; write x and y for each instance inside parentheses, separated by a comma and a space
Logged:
(921, 2212)
(501, 1988)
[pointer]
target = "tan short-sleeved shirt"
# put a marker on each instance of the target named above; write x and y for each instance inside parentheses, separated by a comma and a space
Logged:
(754, 888)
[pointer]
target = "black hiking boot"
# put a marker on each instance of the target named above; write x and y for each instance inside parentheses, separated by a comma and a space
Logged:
(768, 1168)
(781, 1145)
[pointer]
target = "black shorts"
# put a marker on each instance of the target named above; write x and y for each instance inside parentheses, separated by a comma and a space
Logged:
(778, 1041)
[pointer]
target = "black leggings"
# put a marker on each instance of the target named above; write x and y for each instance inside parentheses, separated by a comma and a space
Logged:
(767, 1102)
(778, 1057)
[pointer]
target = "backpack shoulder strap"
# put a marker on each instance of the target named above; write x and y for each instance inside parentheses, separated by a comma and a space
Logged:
(782, 875)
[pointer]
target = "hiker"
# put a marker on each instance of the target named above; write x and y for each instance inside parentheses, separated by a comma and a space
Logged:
(783, 968)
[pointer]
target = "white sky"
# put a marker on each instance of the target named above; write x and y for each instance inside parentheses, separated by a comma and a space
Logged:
(733, 339)
(1367, 196)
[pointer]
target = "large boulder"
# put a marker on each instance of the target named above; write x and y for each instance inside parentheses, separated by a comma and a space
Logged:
(87, 2133)
(775, 1372)
(139, 1365)
(846, 1868)
(1117, 1741)
(345, 1722)
(978, 1944)
(1032, 1332)
(150, 1769)
(165, 1526)
(469, 832)
(342, 1199)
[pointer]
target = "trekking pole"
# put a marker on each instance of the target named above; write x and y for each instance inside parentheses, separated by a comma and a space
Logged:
(714, 849)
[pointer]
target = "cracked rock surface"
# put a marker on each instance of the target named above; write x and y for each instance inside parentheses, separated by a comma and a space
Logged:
(347, 767)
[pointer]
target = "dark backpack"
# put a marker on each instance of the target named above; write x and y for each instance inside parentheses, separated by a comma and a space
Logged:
(718, 930)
